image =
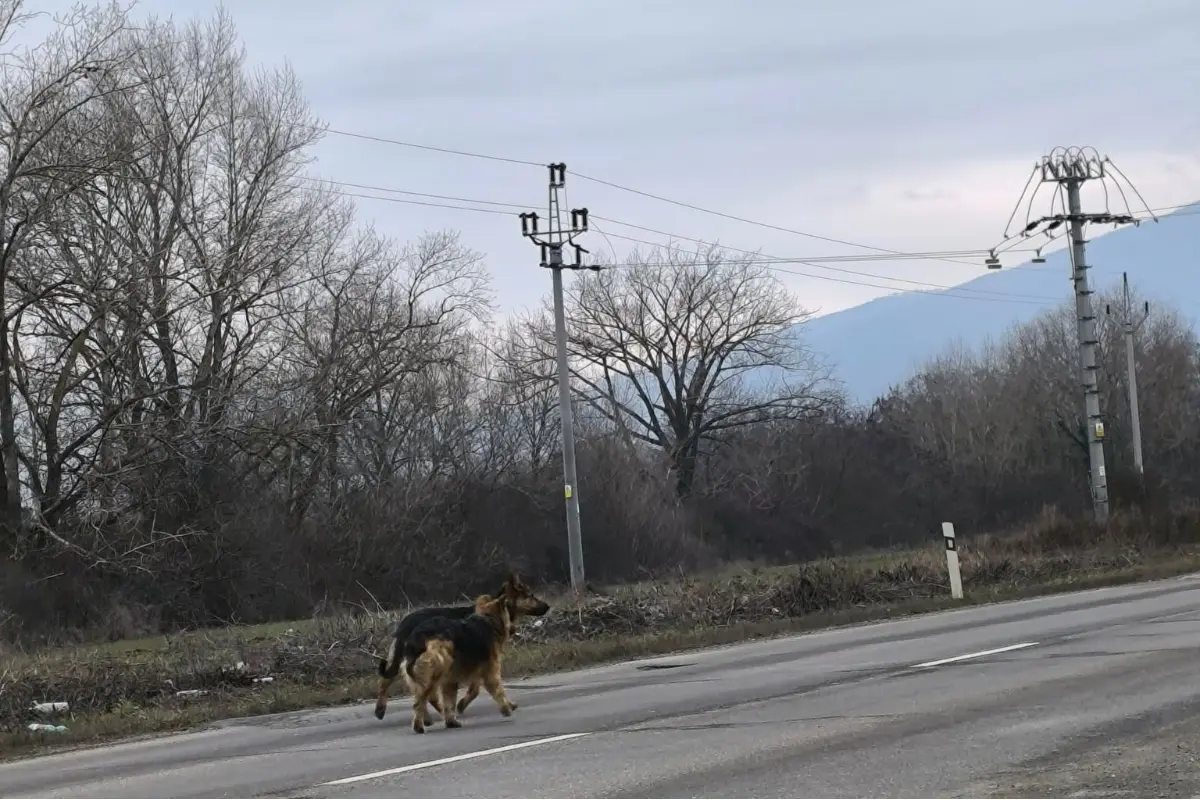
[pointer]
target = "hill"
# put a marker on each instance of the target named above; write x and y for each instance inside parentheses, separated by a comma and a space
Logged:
(881, 343)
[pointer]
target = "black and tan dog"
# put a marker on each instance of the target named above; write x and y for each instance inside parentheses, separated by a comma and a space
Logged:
(522, 602)
(443, 654)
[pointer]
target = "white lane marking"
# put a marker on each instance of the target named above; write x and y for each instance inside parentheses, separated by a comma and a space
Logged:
(437, 762)
(980, 654)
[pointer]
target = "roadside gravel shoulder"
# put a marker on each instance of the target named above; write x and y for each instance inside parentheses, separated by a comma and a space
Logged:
(1152, 760)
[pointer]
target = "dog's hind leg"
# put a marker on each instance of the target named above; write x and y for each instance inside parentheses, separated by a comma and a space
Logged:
(472, 693)
(427, 674)
(430, 669)
(449, 699)
(389, 668)
(381, 697)
(420, 712)
(433, 701)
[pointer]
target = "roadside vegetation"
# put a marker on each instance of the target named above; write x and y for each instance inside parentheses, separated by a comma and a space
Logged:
(170, 682)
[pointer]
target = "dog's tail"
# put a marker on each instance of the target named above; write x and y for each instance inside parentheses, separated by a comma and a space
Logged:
(413, 649)
(389, 665)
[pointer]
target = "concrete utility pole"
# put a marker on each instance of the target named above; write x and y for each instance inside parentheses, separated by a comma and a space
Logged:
(1131, 329)
(1068, 169)
(1088, 340)
(552, 259)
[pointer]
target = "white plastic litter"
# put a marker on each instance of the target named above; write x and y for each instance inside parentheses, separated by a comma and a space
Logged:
(51, 708)
(265, 679)
(38, 726)
(191, 692)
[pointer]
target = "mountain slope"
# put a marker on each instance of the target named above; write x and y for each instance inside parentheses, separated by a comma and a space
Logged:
(883, 342)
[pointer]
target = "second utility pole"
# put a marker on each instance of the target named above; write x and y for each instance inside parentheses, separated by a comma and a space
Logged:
(552, 258)
(1131, 329)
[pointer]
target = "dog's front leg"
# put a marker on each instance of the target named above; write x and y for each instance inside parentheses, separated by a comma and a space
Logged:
(491, 682)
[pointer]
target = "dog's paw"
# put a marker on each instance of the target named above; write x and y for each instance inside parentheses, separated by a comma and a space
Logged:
(453, 723)
(380, 711)
(418, 728)
(461, 705)
(513, 706)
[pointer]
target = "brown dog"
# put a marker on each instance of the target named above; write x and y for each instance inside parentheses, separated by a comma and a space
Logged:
(443, 654)
(522, 602)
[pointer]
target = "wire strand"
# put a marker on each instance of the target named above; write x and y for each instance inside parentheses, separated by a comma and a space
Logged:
(768, 261)
(660, 198)
(773, 263)
(411, 193)
(429, 147)
(886, 257)
(736, 218)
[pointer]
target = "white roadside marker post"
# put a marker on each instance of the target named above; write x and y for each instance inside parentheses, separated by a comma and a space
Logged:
(952, 561)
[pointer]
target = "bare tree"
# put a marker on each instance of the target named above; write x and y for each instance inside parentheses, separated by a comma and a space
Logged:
(522, 402)
(54, 139)
(682, 347)
(1009, 418)
(375, 316)
(169, 263)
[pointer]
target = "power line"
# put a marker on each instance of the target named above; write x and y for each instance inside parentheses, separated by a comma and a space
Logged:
(736, 218)
(423, 203)
(891, 256)
(885, 254)
(764, 260)
(409, 193)
(769, 260)
(772, 263)
(524, 162)
(429, 147)
(887, 257)
(652, 196)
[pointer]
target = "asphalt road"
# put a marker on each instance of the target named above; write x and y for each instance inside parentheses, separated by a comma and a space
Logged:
(1088, 694)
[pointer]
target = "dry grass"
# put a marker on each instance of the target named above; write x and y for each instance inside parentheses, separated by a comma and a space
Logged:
(135, 687)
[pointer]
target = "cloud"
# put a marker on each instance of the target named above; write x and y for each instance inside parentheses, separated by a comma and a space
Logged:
(906, 125)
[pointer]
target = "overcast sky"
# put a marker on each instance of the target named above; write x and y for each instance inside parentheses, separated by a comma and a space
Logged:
(905, 124)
